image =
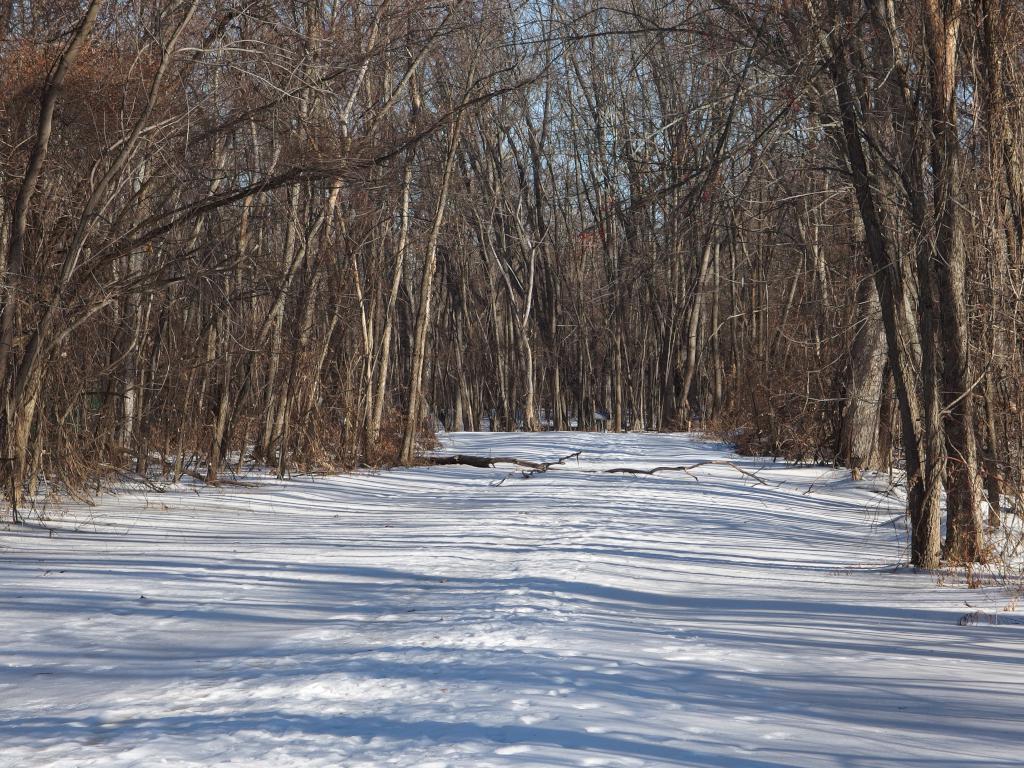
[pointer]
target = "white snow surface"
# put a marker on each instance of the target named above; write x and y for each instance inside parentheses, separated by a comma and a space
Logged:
(453, 617)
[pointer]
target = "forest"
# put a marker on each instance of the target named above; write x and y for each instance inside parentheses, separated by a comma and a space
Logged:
(307, 233)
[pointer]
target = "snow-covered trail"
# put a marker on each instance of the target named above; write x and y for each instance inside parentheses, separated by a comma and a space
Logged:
(439, 617)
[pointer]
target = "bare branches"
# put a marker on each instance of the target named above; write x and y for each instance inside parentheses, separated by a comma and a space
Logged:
(297, 233)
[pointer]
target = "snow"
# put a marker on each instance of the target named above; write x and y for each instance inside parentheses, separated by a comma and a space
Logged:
(467, 618)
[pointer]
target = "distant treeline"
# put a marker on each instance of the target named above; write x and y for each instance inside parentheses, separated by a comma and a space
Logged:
(298, 232)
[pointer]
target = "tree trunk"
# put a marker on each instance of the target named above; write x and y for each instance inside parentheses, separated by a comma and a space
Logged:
(419, 349)
(964, 529)
(921, 495)
(859, 447)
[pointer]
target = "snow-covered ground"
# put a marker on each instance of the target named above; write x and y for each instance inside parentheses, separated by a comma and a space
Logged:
(467, 618)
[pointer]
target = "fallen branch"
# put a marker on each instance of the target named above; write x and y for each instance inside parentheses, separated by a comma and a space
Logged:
(482, 462)
(686, 469)
(486, 462)
(532, 468)
(545, 466)
(629, 471)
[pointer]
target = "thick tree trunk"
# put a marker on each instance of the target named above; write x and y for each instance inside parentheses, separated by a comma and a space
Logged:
(964, 528)
(859, 446)
(921, 494)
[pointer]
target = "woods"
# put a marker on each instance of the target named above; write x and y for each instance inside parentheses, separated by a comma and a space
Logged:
(304, 233)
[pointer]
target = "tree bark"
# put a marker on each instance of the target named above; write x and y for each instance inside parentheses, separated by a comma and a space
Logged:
(859, 446)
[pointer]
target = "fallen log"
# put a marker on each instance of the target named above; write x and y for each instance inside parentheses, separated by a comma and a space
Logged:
(486, 462)
(482, 462)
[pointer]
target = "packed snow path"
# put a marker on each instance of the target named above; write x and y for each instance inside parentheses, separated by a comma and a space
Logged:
(441, 617)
